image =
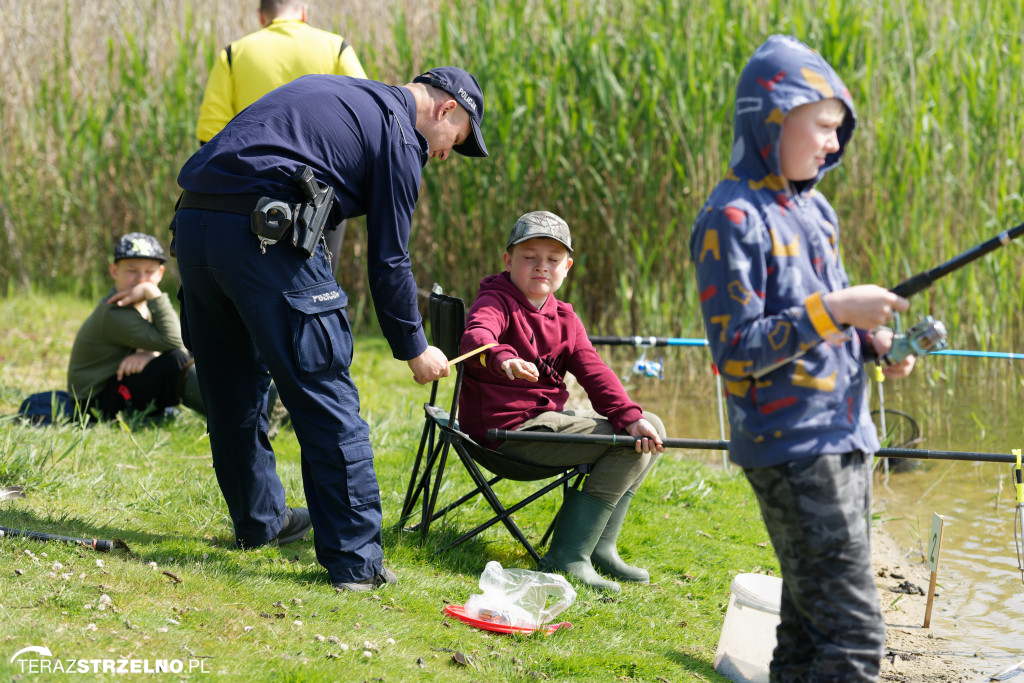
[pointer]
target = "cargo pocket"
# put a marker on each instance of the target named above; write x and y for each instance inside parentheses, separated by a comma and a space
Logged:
(360, 478)
(321, 336)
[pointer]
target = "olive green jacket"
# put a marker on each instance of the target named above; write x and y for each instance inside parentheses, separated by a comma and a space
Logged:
(112, 333)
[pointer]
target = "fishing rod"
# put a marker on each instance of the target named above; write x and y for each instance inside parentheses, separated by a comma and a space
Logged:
(654, 368)
(979, 354)
(642, 366)
(721, 445)
(929, 336)
(99, 544)
(649, 342)
(922, 281)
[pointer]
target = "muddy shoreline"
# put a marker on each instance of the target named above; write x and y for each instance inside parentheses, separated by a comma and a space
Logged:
(915, 653)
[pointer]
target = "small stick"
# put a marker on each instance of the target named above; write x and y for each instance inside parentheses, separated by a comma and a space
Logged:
(470, 353)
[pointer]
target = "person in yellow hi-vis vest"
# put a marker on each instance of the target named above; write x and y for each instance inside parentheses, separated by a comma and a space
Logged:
(284, 49)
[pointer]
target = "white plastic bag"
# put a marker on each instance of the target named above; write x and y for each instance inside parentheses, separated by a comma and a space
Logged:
(519, 597)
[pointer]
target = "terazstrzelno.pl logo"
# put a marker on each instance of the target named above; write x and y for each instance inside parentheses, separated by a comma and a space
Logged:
(46, 663)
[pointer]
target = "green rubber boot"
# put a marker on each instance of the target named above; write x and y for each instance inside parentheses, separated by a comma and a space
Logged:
(580, 523)
(190, 396)
(606, 553)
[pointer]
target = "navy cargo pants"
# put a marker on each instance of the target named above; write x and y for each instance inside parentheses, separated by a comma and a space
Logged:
(245, 313)
(816, 512)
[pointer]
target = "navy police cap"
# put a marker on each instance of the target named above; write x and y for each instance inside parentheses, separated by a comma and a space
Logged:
(461, 85)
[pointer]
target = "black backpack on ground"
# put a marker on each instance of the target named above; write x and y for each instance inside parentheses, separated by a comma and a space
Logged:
(48, 407)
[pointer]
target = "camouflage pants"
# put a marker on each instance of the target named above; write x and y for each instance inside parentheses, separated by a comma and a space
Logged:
(816, 511)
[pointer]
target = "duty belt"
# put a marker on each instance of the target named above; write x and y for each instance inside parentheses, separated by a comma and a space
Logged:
(271, 219)
(243, 204)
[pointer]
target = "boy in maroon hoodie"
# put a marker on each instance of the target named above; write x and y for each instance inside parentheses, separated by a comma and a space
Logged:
(519, 384)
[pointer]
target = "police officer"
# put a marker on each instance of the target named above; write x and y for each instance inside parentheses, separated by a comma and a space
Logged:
(251, 304)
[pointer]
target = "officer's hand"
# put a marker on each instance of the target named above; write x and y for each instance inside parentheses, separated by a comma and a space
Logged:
(651, 441)
(134, 364)
(430, 365)
(517, 368)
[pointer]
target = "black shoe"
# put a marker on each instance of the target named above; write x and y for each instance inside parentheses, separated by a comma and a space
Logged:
(385, 577)
(296, 525)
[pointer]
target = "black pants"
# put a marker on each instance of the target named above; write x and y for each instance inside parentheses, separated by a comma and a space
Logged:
(158, 386)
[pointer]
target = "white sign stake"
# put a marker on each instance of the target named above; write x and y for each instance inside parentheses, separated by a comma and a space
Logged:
(934, 543)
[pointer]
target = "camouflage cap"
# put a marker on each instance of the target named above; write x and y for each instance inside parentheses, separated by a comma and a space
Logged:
(138, 245)
(540, 224)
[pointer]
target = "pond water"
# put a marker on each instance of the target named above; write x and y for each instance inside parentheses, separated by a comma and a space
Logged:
(958, 404)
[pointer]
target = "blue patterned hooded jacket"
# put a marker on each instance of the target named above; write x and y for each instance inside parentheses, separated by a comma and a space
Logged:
(765, 251)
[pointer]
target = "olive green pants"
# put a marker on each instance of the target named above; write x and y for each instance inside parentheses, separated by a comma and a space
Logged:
(617, 469)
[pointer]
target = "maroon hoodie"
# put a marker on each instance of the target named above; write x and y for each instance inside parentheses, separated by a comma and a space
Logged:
(553, 339)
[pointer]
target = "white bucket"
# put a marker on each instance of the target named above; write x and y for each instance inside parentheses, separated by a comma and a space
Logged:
(748, 634)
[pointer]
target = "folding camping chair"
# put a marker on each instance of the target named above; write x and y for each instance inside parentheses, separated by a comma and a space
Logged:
(441, 433)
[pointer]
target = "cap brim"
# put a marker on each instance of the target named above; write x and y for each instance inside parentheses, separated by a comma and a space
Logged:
(474, 144)
(161, 259)
(546, 236)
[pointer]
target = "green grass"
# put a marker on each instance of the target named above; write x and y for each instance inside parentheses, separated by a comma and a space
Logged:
(183, 593)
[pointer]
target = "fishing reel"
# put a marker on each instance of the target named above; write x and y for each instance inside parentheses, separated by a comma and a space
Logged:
(647, 368)
(926, 337)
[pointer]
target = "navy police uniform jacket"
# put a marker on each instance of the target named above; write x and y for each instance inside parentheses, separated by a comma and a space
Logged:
(765, 251)
(356, 135)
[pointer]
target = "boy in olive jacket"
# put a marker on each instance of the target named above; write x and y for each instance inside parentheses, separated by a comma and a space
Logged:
(128, 355)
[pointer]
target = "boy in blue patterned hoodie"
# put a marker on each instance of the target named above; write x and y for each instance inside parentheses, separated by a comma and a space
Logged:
(791, 337)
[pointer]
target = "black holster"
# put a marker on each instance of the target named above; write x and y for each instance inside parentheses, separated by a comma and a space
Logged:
(311, 216)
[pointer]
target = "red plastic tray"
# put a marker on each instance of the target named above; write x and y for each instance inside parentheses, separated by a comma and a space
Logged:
(459, 612)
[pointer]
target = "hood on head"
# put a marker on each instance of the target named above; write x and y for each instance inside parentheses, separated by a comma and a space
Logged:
(781, 75)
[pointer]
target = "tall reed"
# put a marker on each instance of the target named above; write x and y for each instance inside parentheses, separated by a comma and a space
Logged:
(615, 115)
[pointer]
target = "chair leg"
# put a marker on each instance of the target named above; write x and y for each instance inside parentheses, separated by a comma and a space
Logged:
(412, 493)
(502, 514)
(547, 534)
(438, 514)
(430, 501)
